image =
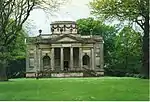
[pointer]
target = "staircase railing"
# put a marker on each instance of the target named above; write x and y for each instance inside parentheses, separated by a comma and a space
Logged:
(44, 73)
(89, 71)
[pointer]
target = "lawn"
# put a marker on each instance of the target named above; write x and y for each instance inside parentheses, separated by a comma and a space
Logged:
(87, 89)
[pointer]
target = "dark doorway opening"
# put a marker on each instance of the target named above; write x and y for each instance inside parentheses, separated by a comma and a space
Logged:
(66, 65)
(86, 60)
(46, 62)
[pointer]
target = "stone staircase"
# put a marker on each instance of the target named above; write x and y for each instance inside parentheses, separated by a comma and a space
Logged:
(46, 73)
(89, 72)
(86, 72)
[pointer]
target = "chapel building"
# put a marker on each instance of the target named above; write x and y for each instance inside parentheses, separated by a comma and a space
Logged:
(64, 51)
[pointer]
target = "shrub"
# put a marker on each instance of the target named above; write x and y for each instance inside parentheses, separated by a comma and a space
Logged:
(16, 68)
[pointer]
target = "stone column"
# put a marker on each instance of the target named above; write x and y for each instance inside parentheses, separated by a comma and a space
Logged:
(52, 59)
(39, 59)
(101, 56)
(71, 58)
(27, 58)
(35, 59)
(92, 58)
(62, 58)
(80, 58)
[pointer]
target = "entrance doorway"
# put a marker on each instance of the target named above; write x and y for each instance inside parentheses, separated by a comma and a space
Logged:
(86, 60)
(46, 62)
(66, 65)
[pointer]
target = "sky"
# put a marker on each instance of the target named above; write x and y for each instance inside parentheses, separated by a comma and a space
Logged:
(73, 10)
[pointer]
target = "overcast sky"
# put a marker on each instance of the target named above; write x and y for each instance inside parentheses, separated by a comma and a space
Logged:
(73, 10)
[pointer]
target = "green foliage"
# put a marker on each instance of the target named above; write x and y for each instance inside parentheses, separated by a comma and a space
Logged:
(95, 27)
(120, 9)
(18, 46)
(15, 56)
(17, 53)
(122, 51)
(16, 68)
(131, 10)
(127, 52)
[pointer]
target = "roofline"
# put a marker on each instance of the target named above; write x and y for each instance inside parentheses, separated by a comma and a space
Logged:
(63, 22)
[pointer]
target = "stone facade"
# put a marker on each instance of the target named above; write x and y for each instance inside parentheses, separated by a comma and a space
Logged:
(64, 50)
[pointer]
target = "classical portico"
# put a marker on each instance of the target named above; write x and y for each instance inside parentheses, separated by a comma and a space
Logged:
(64, 51)
(64, 58)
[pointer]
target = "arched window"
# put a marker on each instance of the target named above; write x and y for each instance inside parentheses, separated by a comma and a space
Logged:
(86, 60)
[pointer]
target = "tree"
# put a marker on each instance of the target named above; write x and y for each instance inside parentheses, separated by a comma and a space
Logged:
(18, 46)
(131, 10)
(127, 53)
(16, 63)
(13, 14)
(96, 27)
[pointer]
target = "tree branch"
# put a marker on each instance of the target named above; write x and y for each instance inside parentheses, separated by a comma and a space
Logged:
(140, 24)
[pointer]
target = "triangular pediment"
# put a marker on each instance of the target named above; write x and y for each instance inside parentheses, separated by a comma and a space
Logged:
(66, 38)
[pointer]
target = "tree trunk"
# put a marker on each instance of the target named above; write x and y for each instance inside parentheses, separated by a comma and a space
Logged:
(3, 71)
(145, 48)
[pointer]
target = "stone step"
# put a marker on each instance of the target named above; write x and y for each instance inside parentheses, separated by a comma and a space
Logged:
(66, 74)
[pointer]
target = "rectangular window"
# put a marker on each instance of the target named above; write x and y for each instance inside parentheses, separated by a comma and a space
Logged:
(31, 62)
(97, 61)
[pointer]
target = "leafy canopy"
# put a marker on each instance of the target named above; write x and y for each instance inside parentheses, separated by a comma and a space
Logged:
(131, 10)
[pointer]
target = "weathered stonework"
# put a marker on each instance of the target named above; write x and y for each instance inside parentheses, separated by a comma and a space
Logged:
(64, 50)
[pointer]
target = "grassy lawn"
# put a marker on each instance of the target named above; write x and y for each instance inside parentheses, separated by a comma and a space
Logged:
(88, 89)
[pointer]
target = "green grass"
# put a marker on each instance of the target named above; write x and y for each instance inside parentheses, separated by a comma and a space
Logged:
(87, 89)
